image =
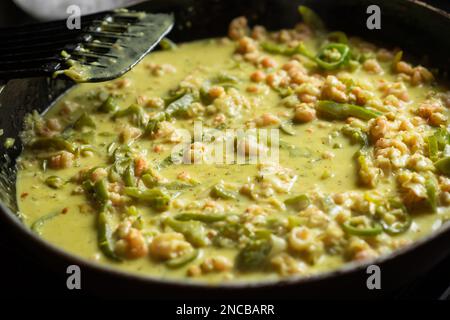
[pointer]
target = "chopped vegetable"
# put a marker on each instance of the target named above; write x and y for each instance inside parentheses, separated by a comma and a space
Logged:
(397, 58)
(298, 203)
(39, 223)
(104, 236)
(364, 231)
(338, 37)
(109, 105)
(135, 110)
(333, 56)
(53, 143)
(356, 135)
(203, 217)
(101, 193)
(286, 127)
(443, 165)
(340, 111)
(194, 231)
(219, 191)
(84, 120)
(54, 182)
(9, 143)
(311, 19)
(180, 106)
(167, 44)
(128, 176)
(402, 223)
(158, 198)
(183, 260)
(254, 254)
(432, 193)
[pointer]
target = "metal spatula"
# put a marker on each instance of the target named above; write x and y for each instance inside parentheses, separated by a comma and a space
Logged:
(108, 45)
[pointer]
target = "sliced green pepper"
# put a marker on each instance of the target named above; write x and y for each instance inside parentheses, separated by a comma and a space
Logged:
(219, 191)
(208, 218)
(332, 56)
(194, 231)
(442, 138)
(402, 224)
(153, 122)
(134, 109)
(311, 19)
(356, 135)
(101, 193)
(39, 223)
(53, 143)
(84, 120)
(180, 106)
(109, 105)
(128, 176)
(286, 127)
(254, 255)
(433, 148)
(54, 182)
(443, 165)
(299, 202)
(338, 37)
(176, 185)
(276, 48)
(104, 236)
(158, 198)
(369, 231)
(167, 44)
(397, 58)
(183, 260)
(432, 193)
(342, 111)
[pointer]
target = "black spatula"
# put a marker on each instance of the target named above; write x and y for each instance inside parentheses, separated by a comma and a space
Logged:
(108, 45)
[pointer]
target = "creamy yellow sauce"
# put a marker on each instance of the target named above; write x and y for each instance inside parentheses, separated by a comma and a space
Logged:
(323, 163)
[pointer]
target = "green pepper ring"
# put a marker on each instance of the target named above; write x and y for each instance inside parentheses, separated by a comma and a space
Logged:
(366, 232)
(343, 49)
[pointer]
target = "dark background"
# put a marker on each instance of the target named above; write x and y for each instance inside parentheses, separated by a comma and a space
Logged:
(23, 276)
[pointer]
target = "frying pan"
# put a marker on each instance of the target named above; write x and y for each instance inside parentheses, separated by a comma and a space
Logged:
(421, 30)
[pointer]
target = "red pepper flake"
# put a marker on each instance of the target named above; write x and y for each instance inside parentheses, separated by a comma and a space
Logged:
(65, 210)
(24, 195)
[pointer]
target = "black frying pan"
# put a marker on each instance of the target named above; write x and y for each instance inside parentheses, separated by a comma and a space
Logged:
(422, 31)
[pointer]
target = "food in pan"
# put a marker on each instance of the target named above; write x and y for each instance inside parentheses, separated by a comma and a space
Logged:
(359, 163)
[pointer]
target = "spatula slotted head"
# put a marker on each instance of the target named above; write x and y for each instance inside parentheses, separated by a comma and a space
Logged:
(113, 45)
